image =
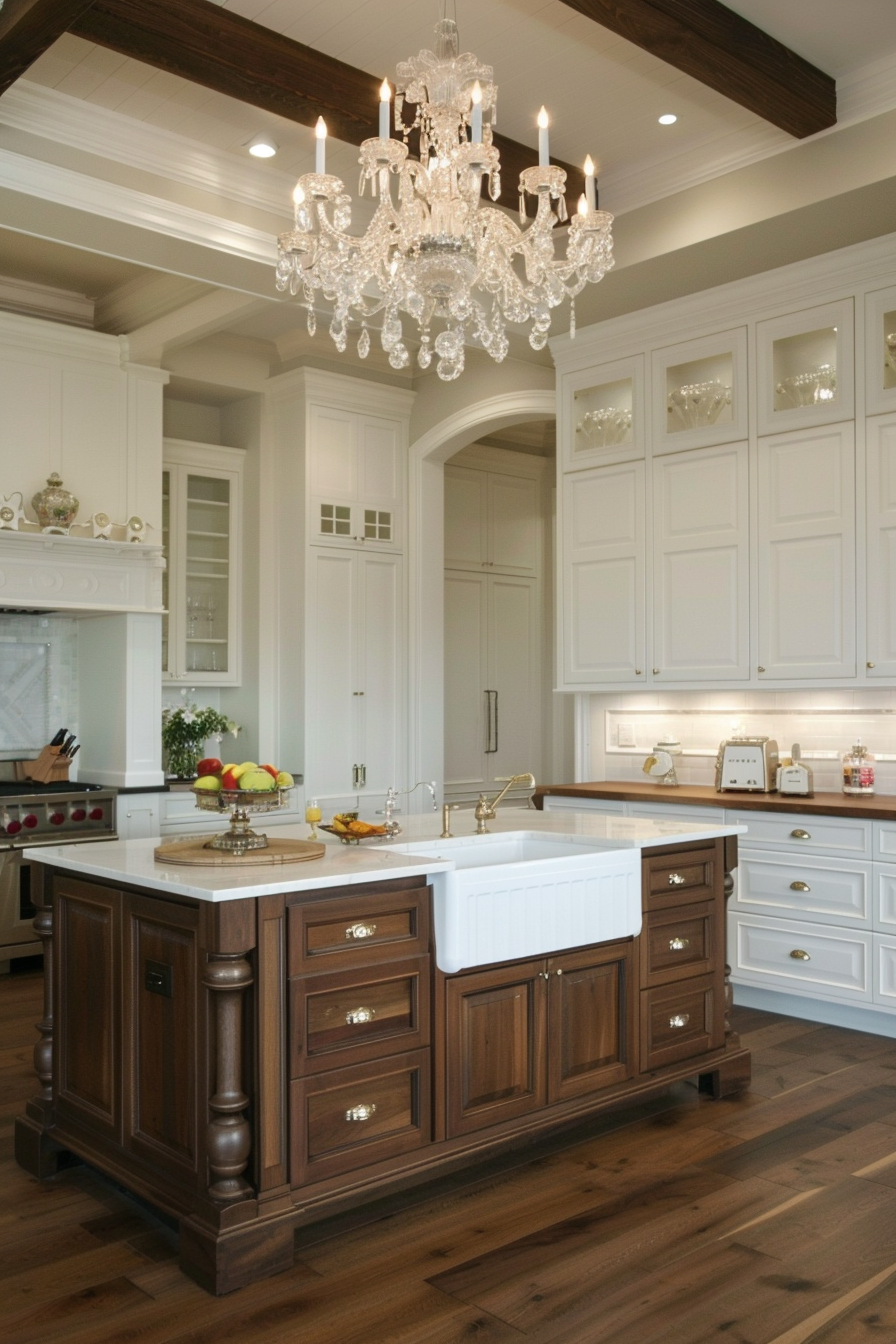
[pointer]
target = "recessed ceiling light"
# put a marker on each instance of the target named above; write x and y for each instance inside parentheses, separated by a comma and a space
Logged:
(668, 119)
(262, 147)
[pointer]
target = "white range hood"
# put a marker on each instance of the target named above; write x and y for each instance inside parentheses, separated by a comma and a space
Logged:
(79, 575)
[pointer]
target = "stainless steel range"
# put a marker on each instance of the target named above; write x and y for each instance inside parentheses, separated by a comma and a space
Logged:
(63, 813)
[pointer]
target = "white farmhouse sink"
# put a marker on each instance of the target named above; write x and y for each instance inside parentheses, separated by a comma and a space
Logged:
(524, 894)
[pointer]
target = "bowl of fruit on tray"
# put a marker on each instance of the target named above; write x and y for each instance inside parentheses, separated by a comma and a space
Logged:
(351, 831)
(240, 790)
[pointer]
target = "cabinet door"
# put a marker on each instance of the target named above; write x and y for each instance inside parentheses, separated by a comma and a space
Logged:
(465, 518)
(515, 673)
(495, 1049)
(603, 576)
(513, 524)
(701, 566)
(806, 554)
(137, 816)
(881, 538)
(332, 714)
(469, 698)
(591, 1027)
(379, 690)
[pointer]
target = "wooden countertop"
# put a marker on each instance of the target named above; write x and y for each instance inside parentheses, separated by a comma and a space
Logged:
(877, 807)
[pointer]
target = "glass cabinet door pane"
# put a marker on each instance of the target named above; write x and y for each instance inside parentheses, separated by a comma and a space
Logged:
(207, 560)
(805, 369)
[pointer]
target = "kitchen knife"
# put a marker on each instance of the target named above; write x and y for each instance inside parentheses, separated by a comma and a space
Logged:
(67, 745)
(74, 751)
(59, 738)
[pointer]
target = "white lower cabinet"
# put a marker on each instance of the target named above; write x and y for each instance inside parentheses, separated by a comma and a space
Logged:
(354, 668)
(786, 955)
(492, 680)
(137, 815)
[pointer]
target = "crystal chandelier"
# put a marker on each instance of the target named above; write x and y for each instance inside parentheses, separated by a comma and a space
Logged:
(460, 270)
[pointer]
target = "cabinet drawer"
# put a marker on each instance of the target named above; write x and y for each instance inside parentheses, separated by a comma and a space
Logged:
(818, 890)
(795, 832)
(791, 956)
(352, 1117)
(885, 897)
(680, 1020)
(355, 930)
(668, 879)
(884, 839)
(357, 1017)
(678, 944)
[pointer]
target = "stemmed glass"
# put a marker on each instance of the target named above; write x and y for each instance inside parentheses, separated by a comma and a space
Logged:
(211, 607)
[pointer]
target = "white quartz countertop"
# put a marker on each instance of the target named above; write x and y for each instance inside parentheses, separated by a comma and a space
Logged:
(133, 861)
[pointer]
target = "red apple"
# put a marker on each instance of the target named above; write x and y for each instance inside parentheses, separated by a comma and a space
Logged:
(272, 770)
(210, 766)
(229, 780)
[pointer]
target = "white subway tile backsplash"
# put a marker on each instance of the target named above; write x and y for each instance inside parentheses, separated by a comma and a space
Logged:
(38, 682)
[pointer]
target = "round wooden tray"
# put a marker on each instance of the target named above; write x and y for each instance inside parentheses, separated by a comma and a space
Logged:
(193, 851)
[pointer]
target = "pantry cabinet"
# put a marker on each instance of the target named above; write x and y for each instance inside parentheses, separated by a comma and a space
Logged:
(492, 521)
(881, 532)
(202, 539)
(355, 478)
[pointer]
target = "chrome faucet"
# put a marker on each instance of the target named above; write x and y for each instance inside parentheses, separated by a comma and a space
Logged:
(486, 811)
(390, 825)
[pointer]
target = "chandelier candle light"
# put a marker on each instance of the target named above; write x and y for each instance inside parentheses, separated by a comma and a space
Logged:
(432, 251)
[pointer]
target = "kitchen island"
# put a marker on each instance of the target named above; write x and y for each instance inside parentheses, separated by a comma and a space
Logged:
(256, 1049)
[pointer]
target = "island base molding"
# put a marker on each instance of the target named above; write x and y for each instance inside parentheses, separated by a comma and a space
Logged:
(256, 1065)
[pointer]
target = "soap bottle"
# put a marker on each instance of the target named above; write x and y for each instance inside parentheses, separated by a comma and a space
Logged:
(858, 770)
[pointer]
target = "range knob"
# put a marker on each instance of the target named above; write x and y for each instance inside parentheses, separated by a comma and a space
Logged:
(29, 821)
(13, 827)
(79, 813)
(57, 818)
(96, 814)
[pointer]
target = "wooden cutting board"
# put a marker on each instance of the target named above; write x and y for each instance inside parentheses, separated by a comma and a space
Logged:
(193, 851)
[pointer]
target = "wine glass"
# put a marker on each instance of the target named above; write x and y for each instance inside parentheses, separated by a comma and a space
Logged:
(312, 816)
(211, 607)
(192, 616)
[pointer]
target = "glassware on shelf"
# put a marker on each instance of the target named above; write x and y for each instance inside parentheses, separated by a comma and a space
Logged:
(606, 427)
(211, 607)
(696, 405)
(192, 616)
(812, 388)
(313, 816)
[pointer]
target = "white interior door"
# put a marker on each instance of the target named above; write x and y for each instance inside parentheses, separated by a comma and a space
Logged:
(331, 661)
(467, 707)
(514, 669)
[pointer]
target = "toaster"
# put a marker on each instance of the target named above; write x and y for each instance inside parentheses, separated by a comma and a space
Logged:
(747, 763)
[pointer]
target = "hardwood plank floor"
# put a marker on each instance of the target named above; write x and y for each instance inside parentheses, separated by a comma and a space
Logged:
(763, 1219)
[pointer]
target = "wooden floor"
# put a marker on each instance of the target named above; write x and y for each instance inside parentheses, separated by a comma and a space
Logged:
(768, 1219)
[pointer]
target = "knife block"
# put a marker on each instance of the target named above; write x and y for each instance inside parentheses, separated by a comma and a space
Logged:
(48, 768)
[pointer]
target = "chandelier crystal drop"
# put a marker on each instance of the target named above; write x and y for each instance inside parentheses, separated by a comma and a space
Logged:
(460, 270)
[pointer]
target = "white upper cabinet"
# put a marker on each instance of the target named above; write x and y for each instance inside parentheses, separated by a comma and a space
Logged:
(699, 392)
(202, 537)
(880, 350)
(701, 575)
(603, 568)
(805, 368)
(880, 478)
(806, 554)
(492, 521)
(355, 478)
(602, 417)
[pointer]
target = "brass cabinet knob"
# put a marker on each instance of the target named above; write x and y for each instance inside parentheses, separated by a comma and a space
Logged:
(760, 669)
(871, 664)
(357, 1015)
(637, 672)
(800, 835)
(559, 970)
(679, 944)
(362, 1112)
(360, 931)
(656, 671)
(676, 880)
(800, 886)
(679, 1020)
(799, 955)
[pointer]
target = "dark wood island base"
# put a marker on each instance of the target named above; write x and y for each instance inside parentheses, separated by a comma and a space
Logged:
(250, 1066)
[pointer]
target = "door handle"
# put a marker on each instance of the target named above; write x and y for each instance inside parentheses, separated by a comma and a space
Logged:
(491, 725)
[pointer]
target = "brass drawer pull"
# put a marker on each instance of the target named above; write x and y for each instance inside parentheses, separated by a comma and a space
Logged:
(799, 955)
(362, 1112)
(800, 835)
(800, 886)
(360, 931)
(360, 1015)
(680, 1020)
(676, 880)
(679, 944)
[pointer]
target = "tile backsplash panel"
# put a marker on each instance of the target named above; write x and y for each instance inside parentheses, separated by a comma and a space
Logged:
(38, 682)
(824, 723)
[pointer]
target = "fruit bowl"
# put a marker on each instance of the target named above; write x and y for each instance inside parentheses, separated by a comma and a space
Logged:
(240, 803)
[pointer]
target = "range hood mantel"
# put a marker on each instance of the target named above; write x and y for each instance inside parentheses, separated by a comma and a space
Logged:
(78, 575)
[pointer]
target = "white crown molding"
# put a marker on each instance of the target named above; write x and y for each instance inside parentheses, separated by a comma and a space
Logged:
(33, 300)
(50, 182)
(817, 280)
(67, 342)
(99, 130)
(356, 394)
(145, 299)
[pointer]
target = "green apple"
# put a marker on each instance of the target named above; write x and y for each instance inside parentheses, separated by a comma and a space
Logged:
(257, 781)
(208, 783)
(285, 780)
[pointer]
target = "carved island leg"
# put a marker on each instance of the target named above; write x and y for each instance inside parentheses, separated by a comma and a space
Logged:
(229, 1138)
(34, 1150)
(731, 1037)
(734, 1074)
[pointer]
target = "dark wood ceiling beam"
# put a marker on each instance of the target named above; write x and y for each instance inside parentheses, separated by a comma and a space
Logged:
(234, 56)
(705, 39)
(28, 28)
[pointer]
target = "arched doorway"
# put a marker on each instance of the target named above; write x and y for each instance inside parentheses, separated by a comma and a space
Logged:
(426, 558)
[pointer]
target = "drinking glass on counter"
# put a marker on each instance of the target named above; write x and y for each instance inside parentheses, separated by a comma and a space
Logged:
(312, 816)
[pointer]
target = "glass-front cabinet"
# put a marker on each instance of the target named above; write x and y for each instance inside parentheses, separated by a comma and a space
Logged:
(700, 392)
(805, 364)
(607, 415)
(201, 537)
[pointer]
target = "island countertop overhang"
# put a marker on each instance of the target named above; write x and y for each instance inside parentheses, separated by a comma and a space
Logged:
(133, 861)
